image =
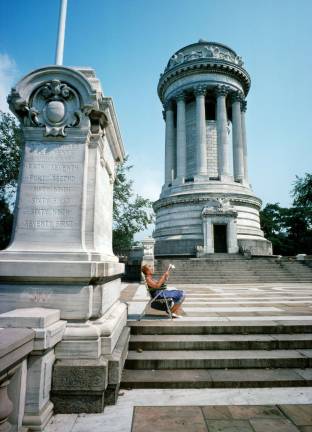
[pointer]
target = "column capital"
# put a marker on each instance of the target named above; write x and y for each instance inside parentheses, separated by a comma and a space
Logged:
(200, 90)
(244, 106)
(168, 105)
(180, 96)
(221, 90)
(237, 96)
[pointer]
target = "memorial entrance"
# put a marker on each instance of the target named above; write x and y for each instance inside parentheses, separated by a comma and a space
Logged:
(220, 238)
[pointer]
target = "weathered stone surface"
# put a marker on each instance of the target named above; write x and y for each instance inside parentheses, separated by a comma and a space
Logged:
(80, 375)
(172, 419)
(78, 403)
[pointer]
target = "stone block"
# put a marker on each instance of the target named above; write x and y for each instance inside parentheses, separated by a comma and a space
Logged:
(79, 386)
(80, 340)
(80, 375)
(50, 336)
(29, 318)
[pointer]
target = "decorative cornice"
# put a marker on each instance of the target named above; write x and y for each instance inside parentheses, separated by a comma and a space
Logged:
(202, 66)
(204, 198)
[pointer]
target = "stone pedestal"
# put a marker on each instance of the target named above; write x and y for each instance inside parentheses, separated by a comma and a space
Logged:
(61, 254)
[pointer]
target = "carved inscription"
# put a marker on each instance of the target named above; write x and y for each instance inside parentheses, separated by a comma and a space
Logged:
(51, 190)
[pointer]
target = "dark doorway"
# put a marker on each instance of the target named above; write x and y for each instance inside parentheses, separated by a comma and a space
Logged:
(219, 237)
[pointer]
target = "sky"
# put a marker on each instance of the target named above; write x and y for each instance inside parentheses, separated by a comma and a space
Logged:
(129, 42)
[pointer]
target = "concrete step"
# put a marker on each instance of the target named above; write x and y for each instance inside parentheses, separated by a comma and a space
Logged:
(216, 378)
(219, 359)
(167, 327)
(220, 342)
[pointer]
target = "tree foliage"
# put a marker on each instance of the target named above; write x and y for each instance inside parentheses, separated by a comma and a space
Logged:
(290, 229)
(11, 141)
(131, 213)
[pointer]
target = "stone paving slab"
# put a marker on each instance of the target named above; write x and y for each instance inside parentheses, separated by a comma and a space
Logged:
(227, 418)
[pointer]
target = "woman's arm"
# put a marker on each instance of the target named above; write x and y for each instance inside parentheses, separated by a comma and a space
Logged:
(157, 284)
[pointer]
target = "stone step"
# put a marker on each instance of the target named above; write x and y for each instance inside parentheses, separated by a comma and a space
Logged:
(220, 342)
(216, 378)
(220, 359)
(167, 327)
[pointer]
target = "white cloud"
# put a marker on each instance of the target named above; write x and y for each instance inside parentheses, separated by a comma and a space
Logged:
(8, 72)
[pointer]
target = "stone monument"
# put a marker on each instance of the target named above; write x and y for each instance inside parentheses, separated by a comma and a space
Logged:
(60, 256)
(206, 204)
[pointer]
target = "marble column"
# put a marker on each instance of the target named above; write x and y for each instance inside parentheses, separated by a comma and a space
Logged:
(244, 109)
(222, 133)
(181, 137)
(201, 130)
(170, 143)
(238, 155)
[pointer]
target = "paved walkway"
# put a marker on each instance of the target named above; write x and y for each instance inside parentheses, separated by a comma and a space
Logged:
(223, 410)
(243, 302)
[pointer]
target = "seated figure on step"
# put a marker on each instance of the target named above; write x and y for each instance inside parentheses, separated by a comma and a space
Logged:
(159, 287)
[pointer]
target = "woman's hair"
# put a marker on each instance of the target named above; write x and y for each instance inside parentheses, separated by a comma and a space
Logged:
(145, 269)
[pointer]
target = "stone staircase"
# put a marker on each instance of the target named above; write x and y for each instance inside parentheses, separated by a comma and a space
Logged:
(166, 354)
(225, 268)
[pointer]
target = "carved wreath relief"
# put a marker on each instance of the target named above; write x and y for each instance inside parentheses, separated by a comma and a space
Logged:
(54, 106)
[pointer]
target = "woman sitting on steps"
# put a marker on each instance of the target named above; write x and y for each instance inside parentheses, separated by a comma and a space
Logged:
(156, 287)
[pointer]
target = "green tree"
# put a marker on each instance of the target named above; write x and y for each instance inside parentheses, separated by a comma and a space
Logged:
(131, 213)
(11, 141)
(290, 229)
(302, 191)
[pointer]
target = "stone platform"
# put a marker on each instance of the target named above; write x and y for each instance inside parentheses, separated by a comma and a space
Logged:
(266, 318)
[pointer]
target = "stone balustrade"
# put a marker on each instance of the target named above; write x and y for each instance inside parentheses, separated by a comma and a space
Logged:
(27, 356)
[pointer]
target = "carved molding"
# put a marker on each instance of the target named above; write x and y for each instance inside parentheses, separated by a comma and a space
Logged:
(202, 198)
(54, 106)
(219, 206)
(203, 67)
(208, 50)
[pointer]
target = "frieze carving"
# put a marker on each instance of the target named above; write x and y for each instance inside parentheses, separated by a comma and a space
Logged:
(204, 52)
(219, 206)
(54, 106)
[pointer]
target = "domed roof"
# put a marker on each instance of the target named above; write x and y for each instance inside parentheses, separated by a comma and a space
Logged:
(201, 50)
(203, 57)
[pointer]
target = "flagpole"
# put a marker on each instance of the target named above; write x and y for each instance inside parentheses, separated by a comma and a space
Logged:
(61, 34)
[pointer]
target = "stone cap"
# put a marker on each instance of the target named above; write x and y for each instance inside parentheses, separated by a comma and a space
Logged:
(15, 344)
(29, 318)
